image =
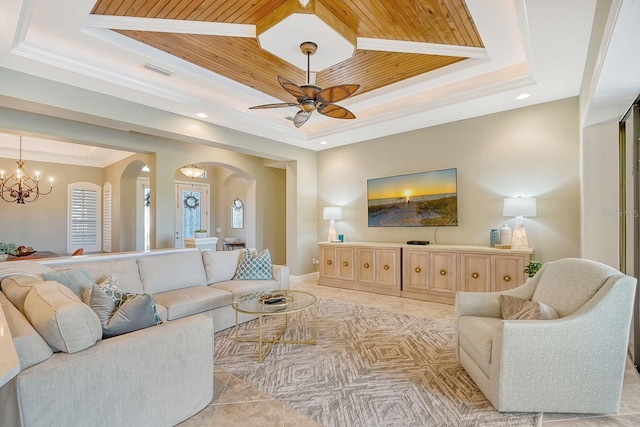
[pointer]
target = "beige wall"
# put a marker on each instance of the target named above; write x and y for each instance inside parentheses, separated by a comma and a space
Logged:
(532, 151)
(43, 224)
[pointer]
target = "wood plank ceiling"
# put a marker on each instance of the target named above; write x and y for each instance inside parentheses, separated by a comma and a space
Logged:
(242, 59)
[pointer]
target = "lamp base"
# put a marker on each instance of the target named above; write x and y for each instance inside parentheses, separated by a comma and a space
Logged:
(519, 239)
(333, 234)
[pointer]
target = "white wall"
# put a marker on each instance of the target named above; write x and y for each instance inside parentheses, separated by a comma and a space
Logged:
(531, 151)
(600, 193)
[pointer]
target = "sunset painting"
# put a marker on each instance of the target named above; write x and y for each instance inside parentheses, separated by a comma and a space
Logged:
(426, 199)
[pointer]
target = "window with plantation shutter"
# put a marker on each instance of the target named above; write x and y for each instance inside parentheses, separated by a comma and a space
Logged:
(84, 217)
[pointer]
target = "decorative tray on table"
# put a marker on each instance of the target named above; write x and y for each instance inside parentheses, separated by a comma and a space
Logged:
(274, 300)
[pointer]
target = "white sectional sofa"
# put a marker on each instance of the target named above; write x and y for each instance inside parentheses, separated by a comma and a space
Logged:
(157, 376)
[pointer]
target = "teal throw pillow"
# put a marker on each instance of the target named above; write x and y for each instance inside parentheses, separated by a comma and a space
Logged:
(254, 268)
(77, 280)
(130, 313)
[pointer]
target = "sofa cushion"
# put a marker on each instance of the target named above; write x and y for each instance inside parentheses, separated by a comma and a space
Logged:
(137, 311)
(167, 272)
(16, 289)
(514, 308)
(29, 345)
(221, 266)
(254, 267)
(240, 288)
(476, 338)
(125, 268)
(567, 284)
(77, 279)
(187, 301)
(61, 318)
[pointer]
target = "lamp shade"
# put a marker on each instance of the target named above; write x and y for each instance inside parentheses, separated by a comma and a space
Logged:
(520, 206)
(332, 212)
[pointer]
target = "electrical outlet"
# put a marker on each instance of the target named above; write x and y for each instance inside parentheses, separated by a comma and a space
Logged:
(218, 230)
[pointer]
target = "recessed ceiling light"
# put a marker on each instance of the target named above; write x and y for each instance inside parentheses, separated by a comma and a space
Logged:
(323, 142)
(202, 115)
(523, 96)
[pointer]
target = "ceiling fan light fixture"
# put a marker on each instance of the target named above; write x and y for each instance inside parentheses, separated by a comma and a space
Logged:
(311, 98)
(308, 105)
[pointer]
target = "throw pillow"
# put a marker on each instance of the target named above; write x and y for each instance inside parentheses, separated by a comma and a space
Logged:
(65, 323)
(254, 267)
(122, 312)
(77, 280)
(514, 308)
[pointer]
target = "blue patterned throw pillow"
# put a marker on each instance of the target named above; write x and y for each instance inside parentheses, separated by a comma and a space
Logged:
(254, 267)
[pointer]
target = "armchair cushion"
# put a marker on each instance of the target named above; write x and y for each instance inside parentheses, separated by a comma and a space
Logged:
(568, 285)
(514, 308)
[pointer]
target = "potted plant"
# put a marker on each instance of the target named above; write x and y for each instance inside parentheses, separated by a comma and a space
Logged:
(7, 249)
(532, 268)
(200, 233)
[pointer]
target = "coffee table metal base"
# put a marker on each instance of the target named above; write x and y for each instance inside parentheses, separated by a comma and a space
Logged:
(265, 345)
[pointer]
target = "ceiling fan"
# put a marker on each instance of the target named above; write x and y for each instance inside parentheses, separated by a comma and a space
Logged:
(311, 97)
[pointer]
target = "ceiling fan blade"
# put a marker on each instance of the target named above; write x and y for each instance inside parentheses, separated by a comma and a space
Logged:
(336, 93)
(278, 105)
(335, 111)
(301, 118)
(292, 88)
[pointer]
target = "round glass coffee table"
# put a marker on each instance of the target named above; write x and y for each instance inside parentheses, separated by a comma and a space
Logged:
(278, 302)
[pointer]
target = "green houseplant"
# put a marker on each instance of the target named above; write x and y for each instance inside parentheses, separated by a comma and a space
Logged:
(7, 249)
(532, 268)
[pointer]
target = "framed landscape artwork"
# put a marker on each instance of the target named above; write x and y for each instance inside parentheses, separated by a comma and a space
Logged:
(425, 199)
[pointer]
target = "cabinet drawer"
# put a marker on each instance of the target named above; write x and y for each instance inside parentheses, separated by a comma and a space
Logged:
(345, 263)
(328, 262)
(365, 267)
(387, 268)
(475, 272)
(444, 272)
(508, 272)
(416, 272)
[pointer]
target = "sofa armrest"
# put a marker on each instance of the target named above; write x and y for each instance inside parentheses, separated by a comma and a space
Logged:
(9, 362)
(281, 275)
(155, 376)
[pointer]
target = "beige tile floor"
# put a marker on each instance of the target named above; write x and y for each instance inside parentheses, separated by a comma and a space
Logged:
(237, 403)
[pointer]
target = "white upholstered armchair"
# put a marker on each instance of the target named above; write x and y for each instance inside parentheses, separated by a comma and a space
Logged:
(572, 364)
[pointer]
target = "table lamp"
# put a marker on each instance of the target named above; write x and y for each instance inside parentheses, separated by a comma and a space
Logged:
(519, 207)
(332, 213)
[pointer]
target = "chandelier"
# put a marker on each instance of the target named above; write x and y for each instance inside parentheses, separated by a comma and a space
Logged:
(20, 187)
(193, 170)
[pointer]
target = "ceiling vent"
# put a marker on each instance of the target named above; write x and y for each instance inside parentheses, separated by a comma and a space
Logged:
(157, 69)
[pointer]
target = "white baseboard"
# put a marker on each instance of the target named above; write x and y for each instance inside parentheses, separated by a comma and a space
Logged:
(310, 277)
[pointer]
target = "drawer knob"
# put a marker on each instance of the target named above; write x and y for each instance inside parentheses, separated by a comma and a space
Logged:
(443, 272)
(386, 267)
(366, 265)
(329, 262)
(475, 275)
(418, 270)
(507, 278)
(346, 264)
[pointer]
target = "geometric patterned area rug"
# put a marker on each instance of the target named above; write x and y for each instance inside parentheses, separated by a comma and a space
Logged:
(369, 368)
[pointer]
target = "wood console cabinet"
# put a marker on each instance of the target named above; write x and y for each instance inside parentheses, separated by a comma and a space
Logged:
(371, 267)
(461, 268)
(431, 272)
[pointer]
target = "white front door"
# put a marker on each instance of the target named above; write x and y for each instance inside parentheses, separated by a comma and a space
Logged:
(192, 210)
